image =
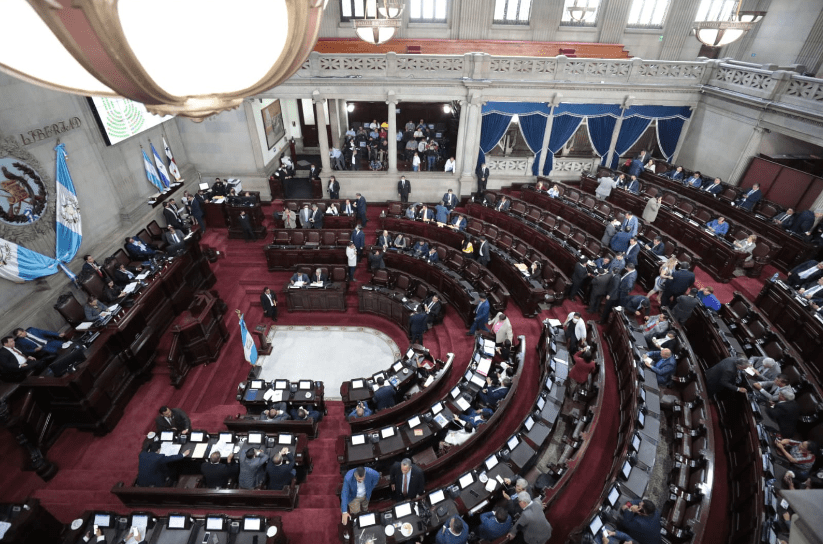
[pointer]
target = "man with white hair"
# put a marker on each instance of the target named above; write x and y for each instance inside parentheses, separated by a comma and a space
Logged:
(771, 389)
(785, 413)
(765, 368)
(533, 524)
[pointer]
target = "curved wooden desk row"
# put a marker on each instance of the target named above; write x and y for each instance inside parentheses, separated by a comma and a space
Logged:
(329, 221)
(791, 249)
(193, 528)
(188, 491)
(421, 395)
(593, 221)
(719, 258)
(316, 238)
(419, 434)
(395, 305)
(462, 289)
(252, 392)
(288, 257)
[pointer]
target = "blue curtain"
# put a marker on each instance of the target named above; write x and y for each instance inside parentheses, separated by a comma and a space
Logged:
(517, 108)
(668, 134)
(631, 131)
(492, 128)
(600, 134)
(659, 112)
(533, 127)
(588, 110)
(563, 128)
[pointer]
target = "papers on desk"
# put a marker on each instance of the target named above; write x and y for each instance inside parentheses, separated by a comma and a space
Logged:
(488, 347)
(169, 448)
(224, 448)
(555, 323)
(749, 371)
(218, 199)
(84, 326)
(200, 450)
(143, 276)
(297, 284)
(273, 395)
(483, 366)
(316, 284)
(441, 421)
(130, 287)
(462, 403)
(522, 267)
(112, 309)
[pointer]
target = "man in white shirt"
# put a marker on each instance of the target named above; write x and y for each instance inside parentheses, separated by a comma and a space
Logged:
(449, 164)
(14, 366)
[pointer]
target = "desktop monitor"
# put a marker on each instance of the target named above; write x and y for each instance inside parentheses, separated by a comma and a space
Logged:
(437, 408)
(468, 375)
(541, 402)
(226, 437)
(103, 520)
(358, 439)
(641, 392)
(257, 384)
(358, 384)
(437, 497)
(614, 496)
(466, 480)
(252, 523)
(285, 438)
(414, 422)
(402, 510)
(139, 520)
(281, 384)
(255, 438)
(215, 523)
(491, 462)
(388, 432)
(641, 418)
(203, 186)
(636, 441)
(197, 436)
(529, 423)
(626, 470)
(410, 353)
(166, 436)
(549, 383)
(366, 520)
(455, 392)
(177, 521)
(304, 384)
(512, 443)
(398, 366)
(596, 526)
(379, 375)
(478, 380)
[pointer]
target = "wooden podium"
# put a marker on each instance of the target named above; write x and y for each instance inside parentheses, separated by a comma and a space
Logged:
(199, 333)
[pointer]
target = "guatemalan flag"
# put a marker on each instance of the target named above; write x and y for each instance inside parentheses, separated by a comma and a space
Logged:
(172, 165)
(19, 264)
(161, 167)
(151, 173)
(69, 228)
(249, 349)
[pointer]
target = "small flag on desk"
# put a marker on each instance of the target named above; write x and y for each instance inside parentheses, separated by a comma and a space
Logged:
(173, 170)
(161, 167)
(249, 349)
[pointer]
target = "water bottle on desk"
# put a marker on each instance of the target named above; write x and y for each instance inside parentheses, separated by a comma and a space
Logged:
(775, 277)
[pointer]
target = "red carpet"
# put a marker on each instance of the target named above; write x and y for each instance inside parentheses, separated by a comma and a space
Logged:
(90, 466)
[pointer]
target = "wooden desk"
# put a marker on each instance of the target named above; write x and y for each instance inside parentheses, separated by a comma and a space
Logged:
(286, 258)
(307, 299)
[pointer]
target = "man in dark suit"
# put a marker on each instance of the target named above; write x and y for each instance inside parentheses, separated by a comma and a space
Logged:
(174, 241)
(786, 413)
(281, 469)
(600, 288)
(359, 240)
(803, 222)
(124, 276)
(173, 219)
(503, 204)
(785, 219)
(320, 277)
(676, 174)
(305, 217)
(432, 256)
(218, 188)
(360, 207)
(418, 324)
(714, 187)
(298, 276)
(376, 260)
(316, 219)
(809, 271)
(450, 200)
(198, 204)
(632, 251)
(90, 266)
(245, 225)
(172, 419)
(633, 186)
(14, 366)
(137, 250)
(749, 199)
(481, 316)
(334, 188)
(725, 375)
(491, 394)
(684, 306)
(579, 276)
(314, 173)
(432, 307)
(482, 178)
(32, 341)
(407, 480)
(268, 300)
(658, 248)
(404, 189)
(383, 397)
(619, 293)
(153, 467)
(483, 254)
(458, 223)
(217, 474)
(682, 279)
(644, 157)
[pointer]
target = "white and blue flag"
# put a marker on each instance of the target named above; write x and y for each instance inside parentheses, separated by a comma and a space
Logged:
(151, 172)
(249, 348)
(19, 264)
(69, 227)
(161, 168)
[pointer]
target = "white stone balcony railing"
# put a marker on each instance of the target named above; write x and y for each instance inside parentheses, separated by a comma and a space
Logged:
(564, 167)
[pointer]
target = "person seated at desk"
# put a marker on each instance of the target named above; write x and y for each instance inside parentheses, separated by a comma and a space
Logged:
(426, 215)
(467, 248)
(400, 242)
(632, 185)
(278, 411)
(765, 368)
(676, 174)
(376, 260)
(138, 250)
(14, 366)
(384, 240)
(124, 276)
(718, 226)
(112, 294)
(706, 296)
(658, 247)
(93, 309)
(811, 288)
(361, 410)
(304, 414)
(172, 419)
(420, 248)
(358, 484)
(748, 200)
(458, 223)
(771, 389)
(33, 341)
(153, 467)
(714, 187)
(800, 454)
(411, 212)
(217, 474)
(809, 271)
(218, 188)
(298, 277)
(332, 209)
(320, 277)
(348, 209)
(511, 490)
(491, 394)
(639, 522)
(503, 204)
(696, 181)
(252, 467)
(90, 266)
(432, 256)
(454, 531)
(746, 245)
(494, 525)
(280, 469)
(384, 395)
(407, 480)
(474, 418)
(541, 187)
(554, 192)
(668, 341)
(175, 241)
(785, 219)
(663, 364)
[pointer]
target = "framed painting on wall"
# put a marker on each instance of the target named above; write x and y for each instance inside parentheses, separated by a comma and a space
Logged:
(273, 123)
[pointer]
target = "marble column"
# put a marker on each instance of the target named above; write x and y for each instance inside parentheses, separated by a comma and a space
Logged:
(334, 120)
(547, 134)
(322, 135)
(474, 120)
(676, 29)
(811, 54)
(683, 132)
(752, 149)
(615, 134)
(613, 20)
(392, 139)
(461, 137)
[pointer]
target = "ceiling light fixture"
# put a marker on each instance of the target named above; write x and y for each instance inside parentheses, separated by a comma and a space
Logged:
(578, 13)
(115, 48)
(379, 24)
(720, 33)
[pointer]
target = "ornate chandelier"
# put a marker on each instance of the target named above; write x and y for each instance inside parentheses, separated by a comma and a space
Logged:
(720, 33)
(578, 13)
(193, 58)
(380, 22)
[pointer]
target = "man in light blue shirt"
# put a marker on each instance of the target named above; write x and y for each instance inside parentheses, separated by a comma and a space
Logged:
(718, 226)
